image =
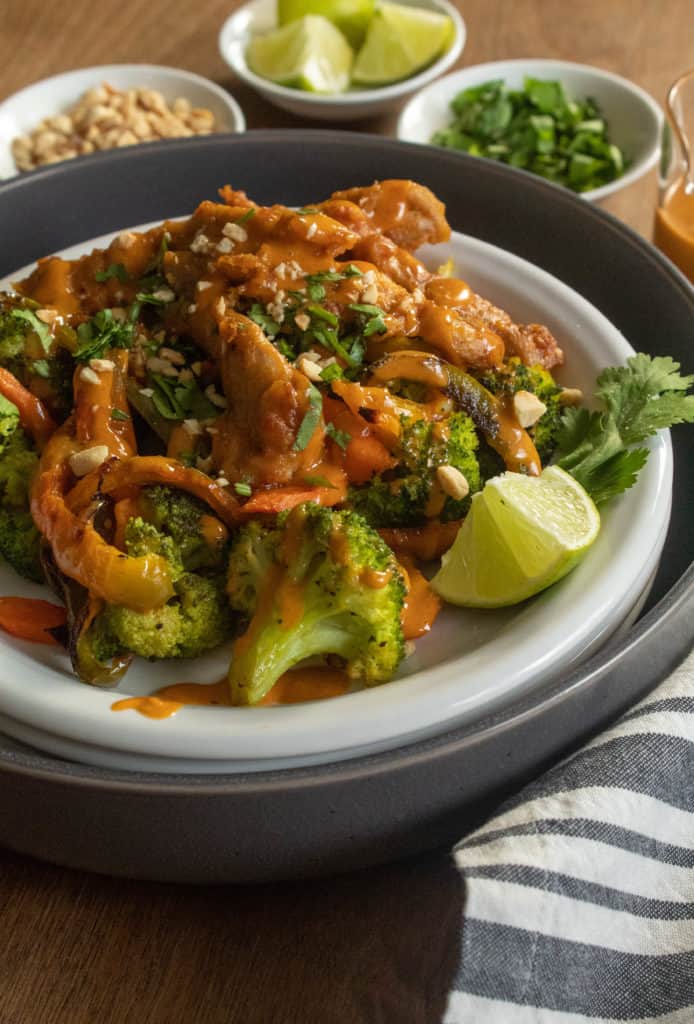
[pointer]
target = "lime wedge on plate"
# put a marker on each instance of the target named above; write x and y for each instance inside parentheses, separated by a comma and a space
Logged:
(399, 42)
(522, 534)
(350, 16)
(307, 54)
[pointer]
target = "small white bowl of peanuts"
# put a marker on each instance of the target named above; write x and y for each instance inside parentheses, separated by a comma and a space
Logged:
(107, 107)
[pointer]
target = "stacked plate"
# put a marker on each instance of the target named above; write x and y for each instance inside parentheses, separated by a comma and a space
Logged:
(229, 794)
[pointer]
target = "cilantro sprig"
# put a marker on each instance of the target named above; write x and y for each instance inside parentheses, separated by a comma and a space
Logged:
(646, 395)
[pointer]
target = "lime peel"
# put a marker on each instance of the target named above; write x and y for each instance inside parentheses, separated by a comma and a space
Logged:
(400, 41)
(309, 54)
(521, 535)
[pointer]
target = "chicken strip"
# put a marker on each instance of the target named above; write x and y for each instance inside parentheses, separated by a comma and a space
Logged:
(408, 213)
(267, 401)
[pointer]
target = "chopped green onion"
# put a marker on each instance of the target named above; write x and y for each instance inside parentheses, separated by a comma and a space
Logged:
(340, 437)
(311, 419)
(243, 489)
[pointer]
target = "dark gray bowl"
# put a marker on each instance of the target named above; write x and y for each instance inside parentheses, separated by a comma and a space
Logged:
(335, 817)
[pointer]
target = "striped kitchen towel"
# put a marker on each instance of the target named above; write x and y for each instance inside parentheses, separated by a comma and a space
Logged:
(579, 894)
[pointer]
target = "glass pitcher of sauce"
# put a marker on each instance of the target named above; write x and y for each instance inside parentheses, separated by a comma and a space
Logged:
(674, 220)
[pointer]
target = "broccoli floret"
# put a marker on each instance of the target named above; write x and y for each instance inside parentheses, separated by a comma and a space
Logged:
(515, 376)
(197, 617)
(200, 538)
(319, 583)
(407, 496)
(19, 538)
(192, 622)
(34, 355)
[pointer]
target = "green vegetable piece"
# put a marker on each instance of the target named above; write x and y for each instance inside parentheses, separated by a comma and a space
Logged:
(310, 421)
(341, 614)
(113, 270)
(37, 326)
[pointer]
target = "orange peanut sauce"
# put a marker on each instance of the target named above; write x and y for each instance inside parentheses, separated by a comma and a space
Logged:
(295, 687)
(422, 605)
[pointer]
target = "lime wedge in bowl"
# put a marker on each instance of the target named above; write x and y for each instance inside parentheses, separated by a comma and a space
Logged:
(350, 16)
(308, 54)
(521, 535)
(400, 41)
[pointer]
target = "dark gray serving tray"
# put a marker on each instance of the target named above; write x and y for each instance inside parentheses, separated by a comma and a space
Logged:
(314, 821)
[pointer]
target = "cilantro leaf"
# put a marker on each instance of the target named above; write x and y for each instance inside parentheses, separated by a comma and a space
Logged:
(340, 437)
(113, 270)
(640, 398)
(175, 400)
(118, 414)
(102, 332)
(310, 420)
(646, 395)
(258, 315)
(36, 325)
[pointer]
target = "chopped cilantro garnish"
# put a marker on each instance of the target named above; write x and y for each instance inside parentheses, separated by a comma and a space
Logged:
(188, 459)
(340, 437)
(175, 400)
(245, 217)
(375, 324)
(321, 313)
(41, 367)
(243, 489)
(310, 420)
(100, 333)
(316, 291)
(113, 270)
(118, 414)
(37, 326)
(258, 315)
(537, 128)
(333, 371)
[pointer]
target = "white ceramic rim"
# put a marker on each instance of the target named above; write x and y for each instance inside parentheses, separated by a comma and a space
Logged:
(73, 720)
(496, 69)
(229, 33)
(100, 72)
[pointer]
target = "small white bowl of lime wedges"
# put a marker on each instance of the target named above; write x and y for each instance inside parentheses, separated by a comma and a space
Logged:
(341, 60)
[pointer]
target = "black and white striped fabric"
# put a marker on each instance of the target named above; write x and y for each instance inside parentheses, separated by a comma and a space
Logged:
(579, 901)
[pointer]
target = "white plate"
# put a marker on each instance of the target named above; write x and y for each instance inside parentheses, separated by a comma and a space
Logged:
(634, 118)
(21, 113)
(472, 663)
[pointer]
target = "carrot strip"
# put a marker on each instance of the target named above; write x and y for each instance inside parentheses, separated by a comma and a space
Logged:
(281, 499)
(364, 455)
(30, 619)
(33, 415)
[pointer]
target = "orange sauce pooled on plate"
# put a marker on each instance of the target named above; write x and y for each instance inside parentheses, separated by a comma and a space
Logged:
(293, 687)
(422, 605)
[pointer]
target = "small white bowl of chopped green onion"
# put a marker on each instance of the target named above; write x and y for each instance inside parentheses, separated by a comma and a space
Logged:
(573, 124)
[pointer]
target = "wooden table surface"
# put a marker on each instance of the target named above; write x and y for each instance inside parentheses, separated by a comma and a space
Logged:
(372, 948)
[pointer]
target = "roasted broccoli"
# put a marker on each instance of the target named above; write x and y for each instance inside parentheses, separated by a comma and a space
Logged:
(35, 355)
(406, 496)
(19, 538)
(194, 543)
(319, 583)
(515, 376)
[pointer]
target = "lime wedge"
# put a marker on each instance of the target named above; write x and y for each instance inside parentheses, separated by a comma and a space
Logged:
(522, 534)
(307, 54)
(400, 41)
(350, 16)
